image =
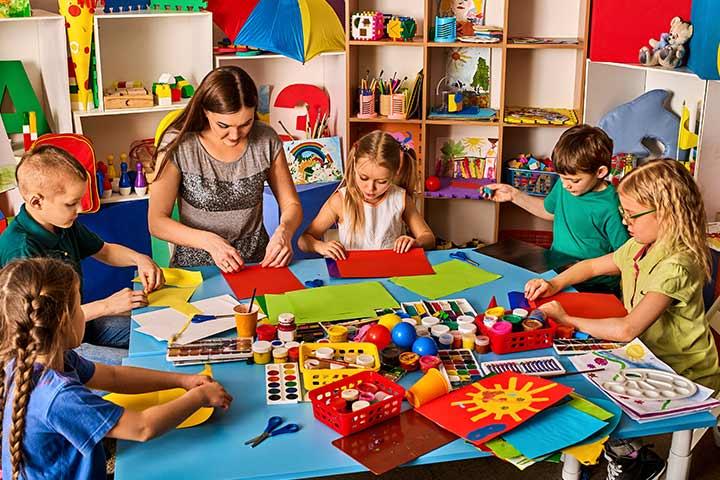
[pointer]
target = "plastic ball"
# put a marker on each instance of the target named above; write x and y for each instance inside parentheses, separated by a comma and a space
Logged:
(424, 346)
(378, 335)
(389, 320)
(403, 335)
(432, 184)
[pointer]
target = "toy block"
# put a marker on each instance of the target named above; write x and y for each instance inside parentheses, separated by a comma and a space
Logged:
(175, 94)
(125, 5)
(367, 25)
(186, 89)
(168, 78)
(15, 85)
(163, 93)
(187, 5)
(127, 98)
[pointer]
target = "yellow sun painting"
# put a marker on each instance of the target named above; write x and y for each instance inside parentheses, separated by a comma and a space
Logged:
(503, 401)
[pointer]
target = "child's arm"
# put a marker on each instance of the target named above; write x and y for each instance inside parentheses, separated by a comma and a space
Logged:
(150, 423)
(578, 273)
(310, 241)
(617, 329)
(416, 223)
(116, 304)
(118, 379)
(117, 255)
(506, 193)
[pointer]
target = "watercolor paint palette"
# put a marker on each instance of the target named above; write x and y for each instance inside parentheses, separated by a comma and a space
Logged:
(537, 366)
(577, 346)
(282, 383)
(217, 350)
(454, 308)
(651, 384)
(460, 366)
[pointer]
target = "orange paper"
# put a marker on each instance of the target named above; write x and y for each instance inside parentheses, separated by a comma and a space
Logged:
(265, 280)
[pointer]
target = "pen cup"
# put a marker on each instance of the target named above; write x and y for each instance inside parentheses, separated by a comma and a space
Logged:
(367, 106)
(246, 320)
(385, 105)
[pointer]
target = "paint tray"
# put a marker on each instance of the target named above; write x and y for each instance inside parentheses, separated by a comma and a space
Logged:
(314, 378)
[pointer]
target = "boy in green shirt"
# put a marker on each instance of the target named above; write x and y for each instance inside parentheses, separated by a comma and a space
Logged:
(52, 183)
(582, 205)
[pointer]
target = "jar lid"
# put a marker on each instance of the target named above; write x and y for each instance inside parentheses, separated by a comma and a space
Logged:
(261, 346)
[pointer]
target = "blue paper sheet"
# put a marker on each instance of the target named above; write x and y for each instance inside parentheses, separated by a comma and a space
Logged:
(553, 430)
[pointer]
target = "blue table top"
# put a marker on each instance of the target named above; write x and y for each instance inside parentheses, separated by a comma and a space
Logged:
(215, 449)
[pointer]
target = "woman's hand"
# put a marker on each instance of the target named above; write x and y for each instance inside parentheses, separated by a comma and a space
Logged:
(404, 243)
(279, 249)
(538, 287)
(150, 274)
(223, 254)
(333, 249)
(555, 311)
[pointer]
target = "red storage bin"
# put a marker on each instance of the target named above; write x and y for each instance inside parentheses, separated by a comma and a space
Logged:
(521, 341)
(351, 422)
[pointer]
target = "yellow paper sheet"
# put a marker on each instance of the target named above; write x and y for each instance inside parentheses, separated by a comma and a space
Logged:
(142, 401)
(186, 309)
(587, 454)
(170, 296)
(177, 277)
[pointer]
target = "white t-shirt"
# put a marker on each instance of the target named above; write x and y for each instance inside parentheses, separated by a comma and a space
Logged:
(383, 223)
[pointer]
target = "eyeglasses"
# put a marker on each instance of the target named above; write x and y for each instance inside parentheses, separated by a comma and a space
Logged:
(629, 218)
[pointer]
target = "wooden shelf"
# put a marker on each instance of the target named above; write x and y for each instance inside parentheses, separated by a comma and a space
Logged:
(545, 46)
(129, 111)
(416, 42)
(383, 120)
(475, 123)
(465, 45)
(535, 125)
(117, 198)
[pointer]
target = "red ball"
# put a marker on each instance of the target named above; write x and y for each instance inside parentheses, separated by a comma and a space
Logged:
(432, 184)
(378, 335)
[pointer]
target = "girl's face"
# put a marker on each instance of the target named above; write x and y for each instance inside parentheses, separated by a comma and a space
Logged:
(231, 128)
(644, 227)
(372, 180)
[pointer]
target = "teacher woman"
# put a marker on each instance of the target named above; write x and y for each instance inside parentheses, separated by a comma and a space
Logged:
(214, 159)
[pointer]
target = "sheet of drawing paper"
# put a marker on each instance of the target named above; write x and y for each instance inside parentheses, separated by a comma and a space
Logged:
(265, 280)
(380, 264)
(178, 277)
(588, 305)
(170, 296)
(450, 277)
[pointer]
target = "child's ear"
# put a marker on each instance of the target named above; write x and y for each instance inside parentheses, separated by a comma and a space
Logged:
(36, 201)
(602, 172)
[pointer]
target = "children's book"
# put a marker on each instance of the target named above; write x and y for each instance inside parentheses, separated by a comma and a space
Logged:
(314, 160)
(635, 355)
(541, 116)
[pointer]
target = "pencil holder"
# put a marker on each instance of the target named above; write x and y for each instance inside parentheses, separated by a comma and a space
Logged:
(385, 105)
(367, 106)
(397, 107)
(445, 29)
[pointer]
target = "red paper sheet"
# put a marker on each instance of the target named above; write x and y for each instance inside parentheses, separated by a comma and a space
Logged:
(588, 305)
(490, 407)
(380, 264)
(265, 280)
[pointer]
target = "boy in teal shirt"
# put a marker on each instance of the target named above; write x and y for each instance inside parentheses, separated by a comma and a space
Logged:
(582, 205)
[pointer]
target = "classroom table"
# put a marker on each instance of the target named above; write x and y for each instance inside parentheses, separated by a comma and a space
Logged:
(215, 449)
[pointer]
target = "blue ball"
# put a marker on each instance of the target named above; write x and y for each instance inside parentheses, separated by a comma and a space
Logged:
(425, 346)
(403, 335)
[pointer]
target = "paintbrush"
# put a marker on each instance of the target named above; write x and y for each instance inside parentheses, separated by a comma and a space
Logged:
(252, 299)
(579, 372)
(334, 362)
(286, 131)
(174, 338)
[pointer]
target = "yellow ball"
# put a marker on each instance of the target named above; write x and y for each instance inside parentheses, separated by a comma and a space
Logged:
(389, 320)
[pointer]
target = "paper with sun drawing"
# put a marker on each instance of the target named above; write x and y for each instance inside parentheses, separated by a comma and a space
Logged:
(483, 410)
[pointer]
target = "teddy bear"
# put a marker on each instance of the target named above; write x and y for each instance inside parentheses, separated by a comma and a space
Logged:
(669, 51)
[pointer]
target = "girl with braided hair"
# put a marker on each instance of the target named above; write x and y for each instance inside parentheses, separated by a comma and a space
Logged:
(52, 423)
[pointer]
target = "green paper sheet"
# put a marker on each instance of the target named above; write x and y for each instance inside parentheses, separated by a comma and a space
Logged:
(277, 304)
(450, 277)
(502, 449)
(586, 406)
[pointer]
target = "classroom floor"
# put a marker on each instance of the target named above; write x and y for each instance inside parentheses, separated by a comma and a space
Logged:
(705, 466)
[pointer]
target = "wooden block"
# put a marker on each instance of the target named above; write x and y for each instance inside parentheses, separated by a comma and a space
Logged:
(127, 98)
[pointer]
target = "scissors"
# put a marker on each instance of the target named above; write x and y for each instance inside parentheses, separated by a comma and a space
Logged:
(270, 431)
(199, 318)
(314, 283)
(462, 256)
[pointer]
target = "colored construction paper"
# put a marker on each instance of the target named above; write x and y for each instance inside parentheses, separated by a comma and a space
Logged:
(587, 454)
(380, 264)
(588, 451)
(587, 305)
(265, 280)
(494, 405)
(142, 401)
(558, 427)
(591, 408)
(170, 296)
(450, 277)
(187, 309)
(502, 448)
(178, 277)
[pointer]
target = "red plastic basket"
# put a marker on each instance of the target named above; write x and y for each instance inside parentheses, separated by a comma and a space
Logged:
(521, 341)
(351, 422)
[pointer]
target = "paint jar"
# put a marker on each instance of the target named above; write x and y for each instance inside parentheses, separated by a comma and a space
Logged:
(365, 360)
(482, 344)
(338, 334)
(286, 327)
(428, 361)
(430, 321)
(266, 332)
(350, 395)
(457, 340)
(439, 329)
(380, 396)
(293, 353)
(325, 353)
(245, 320)
(390, 356)
(277, 344)
(520, 312)
(411, 321)
(515, 321)
(409, 361)
(496, 312)
(339, 405)
(467, 329)
(293, 344)
(502, 328)
(538, 314)
(422, 331)
(464, 320)
(489, 321)
(531, 324)
(261, 352)
(367, 387)
(322, 340)
(384, 105)
(350, 357)
(445, 341)
(359, 405)
(367, 396)
(468, 341)
(280, 355)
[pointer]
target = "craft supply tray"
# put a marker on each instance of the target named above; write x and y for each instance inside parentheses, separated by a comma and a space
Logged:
(314, 378)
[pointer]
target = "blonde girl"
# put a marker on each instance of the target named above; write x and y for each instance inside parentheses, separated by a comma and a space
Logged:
(373, 203)
(663, 270)
(48, 410)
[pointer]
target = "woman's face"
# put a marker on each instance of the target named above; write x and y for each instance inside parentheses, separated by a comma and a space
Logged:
(231, 128)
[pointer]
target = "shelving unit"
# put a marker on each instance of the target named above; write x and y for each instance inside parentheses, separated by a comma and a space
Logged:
(530, 75)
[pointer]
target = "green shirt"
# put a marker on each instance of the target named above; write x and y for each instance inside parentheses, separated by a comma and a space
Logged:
(586, 226)
(681, 336)
(26, 238)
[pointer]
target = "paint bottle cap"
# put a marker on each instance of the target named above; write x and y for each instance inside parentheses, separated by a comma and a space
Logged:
(261, 346)
(350, 395)
(325, 353)
(367, 387)
(496, 312)
(430, 321)
(439, 329)
(350, 357)
(530, 324)
(265, 332)
(520, 312)
(390, 356)
(365, 360)
(422, 331)
(359, 405)
(367, 396)
(280, 353)
(293, 344)
(380, 396)
(286, 319)
(277, 343)
(445, 340)
(467, 328)
(464, 319)
(293, 354)
(502, 328)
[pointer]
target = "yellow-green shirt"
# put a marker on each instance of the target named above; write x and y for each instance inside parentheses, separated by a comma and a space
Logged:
(681, 336)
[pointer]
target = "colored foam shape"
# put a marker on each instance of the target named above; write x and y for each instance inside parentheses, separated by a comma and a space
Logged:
(704, 59)
(588, 305)
(380, 264)
(264, 280)
(15, 83)
(644, 117)
(298, 94)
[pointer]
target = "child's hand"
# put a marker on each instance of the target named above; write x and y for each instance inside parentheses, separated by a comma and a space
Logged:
(214, 395)
(188, 382)
(150, 274)
(124, 301)
(223, 254)
(404, 243)
(502, 192)
(555, 311)
(538, 287)
(333, 249)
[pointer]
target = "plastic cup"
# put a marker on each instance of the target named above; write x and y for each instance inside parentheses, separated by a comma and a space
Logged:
(431, 386)
(246, 320)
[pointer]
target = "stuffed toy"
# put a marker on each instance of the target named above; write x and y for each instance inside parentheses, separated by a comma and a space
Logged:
(669, 51)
